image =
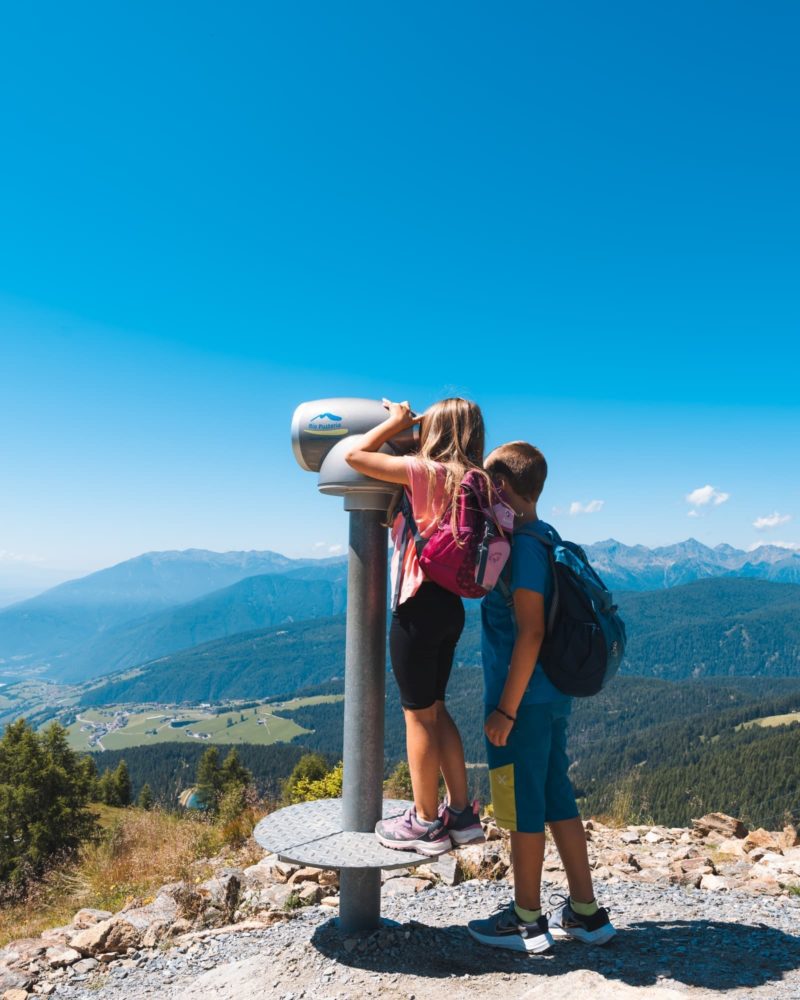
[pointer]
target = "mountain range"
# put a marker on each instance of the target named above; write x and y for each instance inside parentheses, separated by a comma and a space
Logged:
(163, 602)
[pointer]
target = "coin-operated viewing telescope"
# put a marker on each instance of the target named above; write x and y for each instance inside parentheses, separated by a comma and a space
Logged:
(322, 432)
(339, 833)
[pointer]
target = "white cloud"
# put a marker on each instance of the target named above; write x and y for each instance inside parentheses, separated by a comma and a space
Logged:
(771, 521)
(693, 513)
(335, 550)
(18, 557)
(707, 495)
(592, 507)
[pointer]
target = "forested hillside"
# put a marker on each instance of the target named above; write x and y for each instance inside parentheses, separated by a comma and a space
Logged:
(710, 628)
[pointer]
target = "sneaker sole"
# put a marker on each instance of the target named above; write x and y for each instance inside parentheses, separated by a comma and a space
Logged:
(461, 837)
(601, 936)
(515, 942)
(429, 849)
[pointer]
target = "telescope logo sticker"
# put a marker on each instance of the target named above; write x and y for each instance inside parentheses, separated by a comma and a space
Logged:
(326, 425)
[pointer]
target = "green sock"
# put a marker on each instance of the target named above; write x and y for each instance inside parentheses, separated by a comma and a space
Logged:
(584, 909)
(527, 916)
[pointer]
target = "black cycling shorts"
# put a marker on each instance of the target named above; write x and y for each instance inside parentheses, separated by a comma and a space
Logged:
(422, 643)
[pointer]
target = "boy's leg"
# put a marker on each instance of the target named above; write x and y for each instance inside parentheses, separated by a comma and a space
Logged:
(527, 858)
(451, 759)
(422, 746)
(571, 843)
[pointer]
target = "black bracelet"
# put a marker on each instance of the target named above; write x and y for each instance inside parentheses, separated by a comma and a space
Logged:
(511, 718)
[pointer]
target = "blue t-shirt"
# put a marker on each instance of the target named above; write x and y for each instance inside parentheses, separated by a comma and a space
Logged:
(530, 569)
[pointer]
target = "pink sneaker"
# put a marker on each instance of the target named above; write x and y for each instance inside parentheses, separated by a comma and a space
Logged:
(407, 833)
(464, 827)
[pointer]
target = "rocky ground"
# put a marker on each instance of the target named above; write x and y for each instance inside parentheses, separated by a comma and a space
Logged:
(711, 912)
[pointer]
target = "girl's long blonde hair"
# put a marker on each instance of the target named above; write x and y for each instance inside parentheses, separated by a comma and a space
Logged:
(452, 434)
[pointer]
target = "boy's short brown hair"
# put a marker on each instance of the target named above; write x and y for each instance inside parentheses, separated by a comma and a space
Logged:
(522, 465)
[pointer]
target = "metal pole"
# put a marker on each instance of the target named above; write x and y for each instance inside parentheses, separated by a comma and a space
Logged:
(364, 698)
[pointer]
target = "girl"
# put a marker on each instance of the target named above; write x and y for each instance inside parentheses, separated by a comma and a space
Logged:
(428, 620)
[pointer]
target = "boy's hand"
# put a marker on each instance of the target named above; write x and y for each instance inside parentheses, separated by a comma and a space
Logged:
(498, 728)
(401, 414)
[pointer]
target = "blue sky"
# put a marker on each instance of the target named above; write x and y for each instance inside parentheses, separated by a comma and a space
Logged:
(585, 217)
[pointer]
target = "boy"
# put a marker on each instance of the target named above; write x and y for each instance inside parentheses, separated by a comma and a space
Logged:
(526, 723)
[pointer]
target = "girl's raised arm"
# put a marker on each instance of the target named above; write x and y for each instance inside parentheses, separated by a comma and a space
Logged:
(365, 456)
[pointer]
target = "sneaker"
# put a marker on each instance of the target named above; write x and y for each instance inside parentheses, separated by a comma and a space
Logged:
(407, 833)
(464, 827)
(566, 923)
(504, 929)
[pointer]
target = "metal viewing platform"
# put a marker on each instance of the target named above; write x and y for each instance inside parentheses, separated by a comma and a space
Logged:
(311, 834)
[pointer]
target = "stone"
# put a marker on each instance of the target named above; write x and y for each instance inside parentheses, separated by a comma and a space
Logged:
(790, 837)
(44, 989)
(762, 839)
(85, 965)
(328, 877)
(15, 994)
(12, 979)
(113, 936)
(491, 832)
(221, 895)
(713, 882)
(448, 869)
(57, 957)
(309, 893)
(630, 837)
(86, 917)
(653, 838)
(305, 875)
(331, 901)
(720, 824)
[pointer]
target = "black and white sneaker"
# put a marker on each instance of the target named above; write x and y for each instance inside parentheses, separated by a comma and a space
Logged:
(504, 929)
(566, 923)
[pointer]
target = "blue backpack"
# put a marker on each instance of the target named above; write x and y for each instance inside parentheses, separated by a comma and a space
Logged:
(585, 637)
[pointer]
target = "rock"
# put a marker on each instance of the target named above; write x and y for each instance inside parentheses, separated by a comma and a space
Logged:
(220, 895)
(15, 994)
(332, 901)
(12, 979)
(44, 989)
(305, 875)
(763, 839)
(86, 917)
(713, 882)
(448, 869)
(720, 824)
(309, 893)
(653, 838)
(790, 837)
(85, 965)
(58, 957)
(630, 837)
(732, 846)
(491, 832)
(113, 936)
(277, 895)
(328, 877)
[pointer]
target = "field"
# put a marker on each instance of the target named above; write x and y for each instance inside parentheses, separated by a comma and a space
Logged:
(121, 727)
(773, 720)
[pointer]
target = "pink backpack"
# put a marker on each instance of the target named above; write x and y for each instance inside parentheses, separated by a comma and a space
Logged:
(468, 563)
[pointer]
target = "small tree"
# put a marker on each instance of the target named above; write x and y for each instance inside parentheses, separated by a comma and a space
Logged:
(44, 792)
(329, 786)
(310, 767)
(121, 783)
(398, 784)
(145, 800)
(209, 780)
(234, 772)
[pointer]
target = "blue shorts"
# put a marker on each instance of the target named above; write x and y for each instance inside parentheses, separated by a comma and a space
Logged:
(529, 780)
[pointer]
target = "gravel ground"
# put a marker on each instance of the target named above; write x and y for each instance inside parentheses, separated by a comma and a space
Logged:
(672, 943)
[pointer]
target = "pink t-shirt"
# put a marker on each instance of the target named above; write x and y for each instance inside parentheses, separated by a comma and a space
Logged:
(428, 505)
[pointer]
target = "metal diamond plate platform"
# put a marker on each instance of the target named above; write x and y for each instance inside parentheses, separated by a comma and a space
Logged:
(311, 834)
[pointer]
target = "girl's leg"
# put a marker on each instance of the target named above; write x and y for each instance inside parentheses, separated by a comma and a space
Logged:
(451, 759)
(422, 746)
(527, 857)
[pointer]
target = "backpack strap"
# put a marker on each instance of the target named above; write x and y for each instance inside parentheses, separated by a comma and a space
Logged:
(549, 539)
(410, 531)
